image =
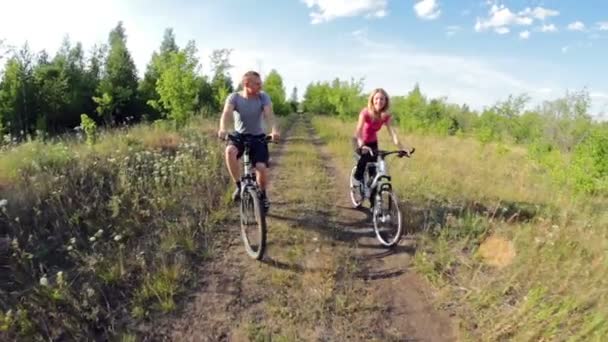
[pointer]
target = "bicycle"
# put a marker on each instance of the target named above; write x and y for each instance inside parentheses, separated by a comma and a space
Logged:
(383, 201)
(253, 215)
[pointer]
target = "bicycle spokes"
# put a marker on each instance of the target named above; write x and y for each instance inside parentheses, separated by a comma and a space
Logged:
(387, 218)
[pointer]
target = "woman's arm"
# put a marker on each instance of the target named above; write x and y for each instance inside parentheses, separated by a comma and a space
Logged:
(359, 130)
(393, 133)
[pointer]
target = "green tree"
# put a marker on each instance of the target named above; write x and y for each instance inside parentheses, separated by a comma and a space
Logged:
(18, 94)
(119, 82)
(148, 86)
(273, 86)
(178, 84)
(293, 100)
(221, 82)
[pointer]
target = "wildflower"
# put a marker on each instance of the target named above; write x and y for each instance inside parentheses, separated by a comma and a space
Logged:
(60, 279)
(70, 248)
(118, 237)
(3, 203)
(92, 239)
(99, 233)
(44, 281)
(90, 292)
(72, 241)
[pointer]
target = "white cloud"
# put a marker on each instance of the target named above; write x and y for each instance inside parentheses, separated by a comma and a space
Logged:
(565, 49)
(501, 17)
(524, 34)
(548, 28)
(576, 26)
(427, 9)
(328, 10)
(539, 13)
(602, 25)
(502, 30)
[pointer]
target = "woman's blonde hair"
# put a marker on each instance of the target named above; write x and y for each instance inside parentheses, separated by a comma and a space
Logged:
(370, 103)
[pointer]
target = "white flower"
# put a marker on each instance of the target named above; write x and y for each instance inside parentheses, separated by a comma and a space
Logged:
(90, 292)
(117, 237)
(44, 281)
(72, 241)
(92, 239)
(3, 203)
(70, 248)
(99, 233)
(60, 277)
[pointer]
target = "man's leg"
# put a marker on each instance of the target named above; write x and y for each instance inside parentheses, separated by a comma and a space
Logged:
(260, 158)
(232, 163)
(262, 175)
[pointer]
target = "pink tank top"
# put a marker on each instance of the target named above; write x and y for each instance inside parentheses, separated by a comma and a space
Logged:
(371, 126)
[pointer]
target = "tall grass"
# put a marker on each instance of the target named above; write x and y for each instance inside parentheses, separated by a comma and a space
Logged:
(517, 256)
(95, 238)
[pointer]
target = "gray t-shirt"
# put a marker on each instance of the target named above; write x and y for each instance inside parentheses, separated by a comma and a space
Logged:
(249, 112)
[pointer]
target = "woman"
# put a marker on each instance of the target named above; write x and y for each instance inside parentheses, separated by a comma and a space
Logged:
(371, 120)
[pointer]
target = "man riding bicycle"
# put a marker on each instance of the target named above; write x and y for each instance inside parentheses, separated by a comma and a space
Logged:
(249, 108)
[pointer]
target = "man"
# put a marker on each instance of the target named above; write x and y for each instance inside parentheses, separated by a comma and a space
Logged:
(249, 107)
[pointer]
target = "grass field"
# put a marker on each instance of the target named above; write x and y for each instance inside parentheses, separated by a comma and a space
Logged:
(516, 256)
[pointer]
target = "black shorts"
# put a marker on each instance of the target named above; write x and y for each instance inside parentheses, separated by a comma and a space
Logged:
(258, 152)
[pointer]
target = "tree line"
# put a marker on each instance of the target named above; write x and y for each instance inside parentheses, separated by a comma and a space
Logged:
(42, 94)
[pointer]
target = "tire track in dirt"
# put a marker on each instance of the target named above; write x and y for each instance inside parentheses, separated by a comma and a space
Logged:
(224, 288)
(404, 302)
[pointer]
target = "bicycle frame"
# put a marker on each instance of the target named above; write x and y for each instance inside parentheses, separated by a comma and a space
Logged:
(381, 180)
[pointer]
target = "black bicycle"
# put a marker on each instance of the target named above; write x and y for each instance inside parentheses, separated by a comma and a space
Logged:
(378, 190)
(253, 214)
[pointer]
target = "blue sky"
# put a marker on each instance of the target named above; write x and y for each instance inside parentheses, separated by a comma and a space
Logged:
(477, 51)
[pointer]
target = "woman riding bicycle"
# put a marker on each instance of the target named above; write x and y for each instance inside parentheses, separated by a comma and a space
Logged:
(371, 120)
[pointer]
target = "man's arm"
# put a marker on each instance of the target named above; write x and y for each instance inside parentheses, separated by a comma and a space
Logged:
(226, 115)
(270, 119)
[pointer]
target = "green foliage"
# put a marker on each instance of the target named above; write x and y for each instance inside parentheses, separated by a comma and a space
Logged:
(177, 84)
(119, 80)
(221, 82)
(273, 86)
(148, 86)
(589, 166)
(293, 100)
(342, 98)
(89, 127)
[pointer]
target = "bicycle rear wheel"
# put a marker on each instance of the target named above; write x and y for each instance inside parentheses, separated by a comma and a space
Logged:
(253, 224)
(356, 192)
(387, 218)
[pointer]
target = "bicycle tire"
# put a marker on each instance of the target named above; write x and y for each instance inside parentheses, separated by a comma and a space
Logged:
(354, 192)
(251, 207)
(378, 216)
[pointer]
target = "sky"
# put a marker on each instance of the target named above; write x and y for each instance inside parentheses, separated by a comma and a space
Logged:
(469, 51)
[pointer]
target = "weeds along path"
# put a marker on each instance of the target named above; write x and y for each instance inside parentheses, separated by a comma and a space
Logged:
(324, 277)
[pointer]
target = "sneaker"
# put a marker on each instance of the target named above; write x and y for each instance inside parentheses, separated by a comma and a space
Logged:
(236, 195)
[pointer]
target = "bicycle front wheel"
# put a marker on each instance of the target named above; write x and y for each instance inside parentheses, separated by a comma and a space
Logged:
(387, 218)
(253, 224)
(356, 193)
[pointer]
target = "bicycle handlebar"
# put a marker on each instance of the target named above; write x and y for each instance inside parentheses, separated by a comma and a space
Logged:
(387, 153)
(231, 136)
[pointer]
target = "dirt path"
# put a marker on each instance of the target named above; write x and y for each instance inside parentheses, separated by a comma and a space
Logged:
(325, 277)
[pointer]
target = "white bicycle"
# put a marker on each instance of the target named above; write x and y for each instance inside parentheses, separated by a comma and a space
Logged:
(384, 205)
